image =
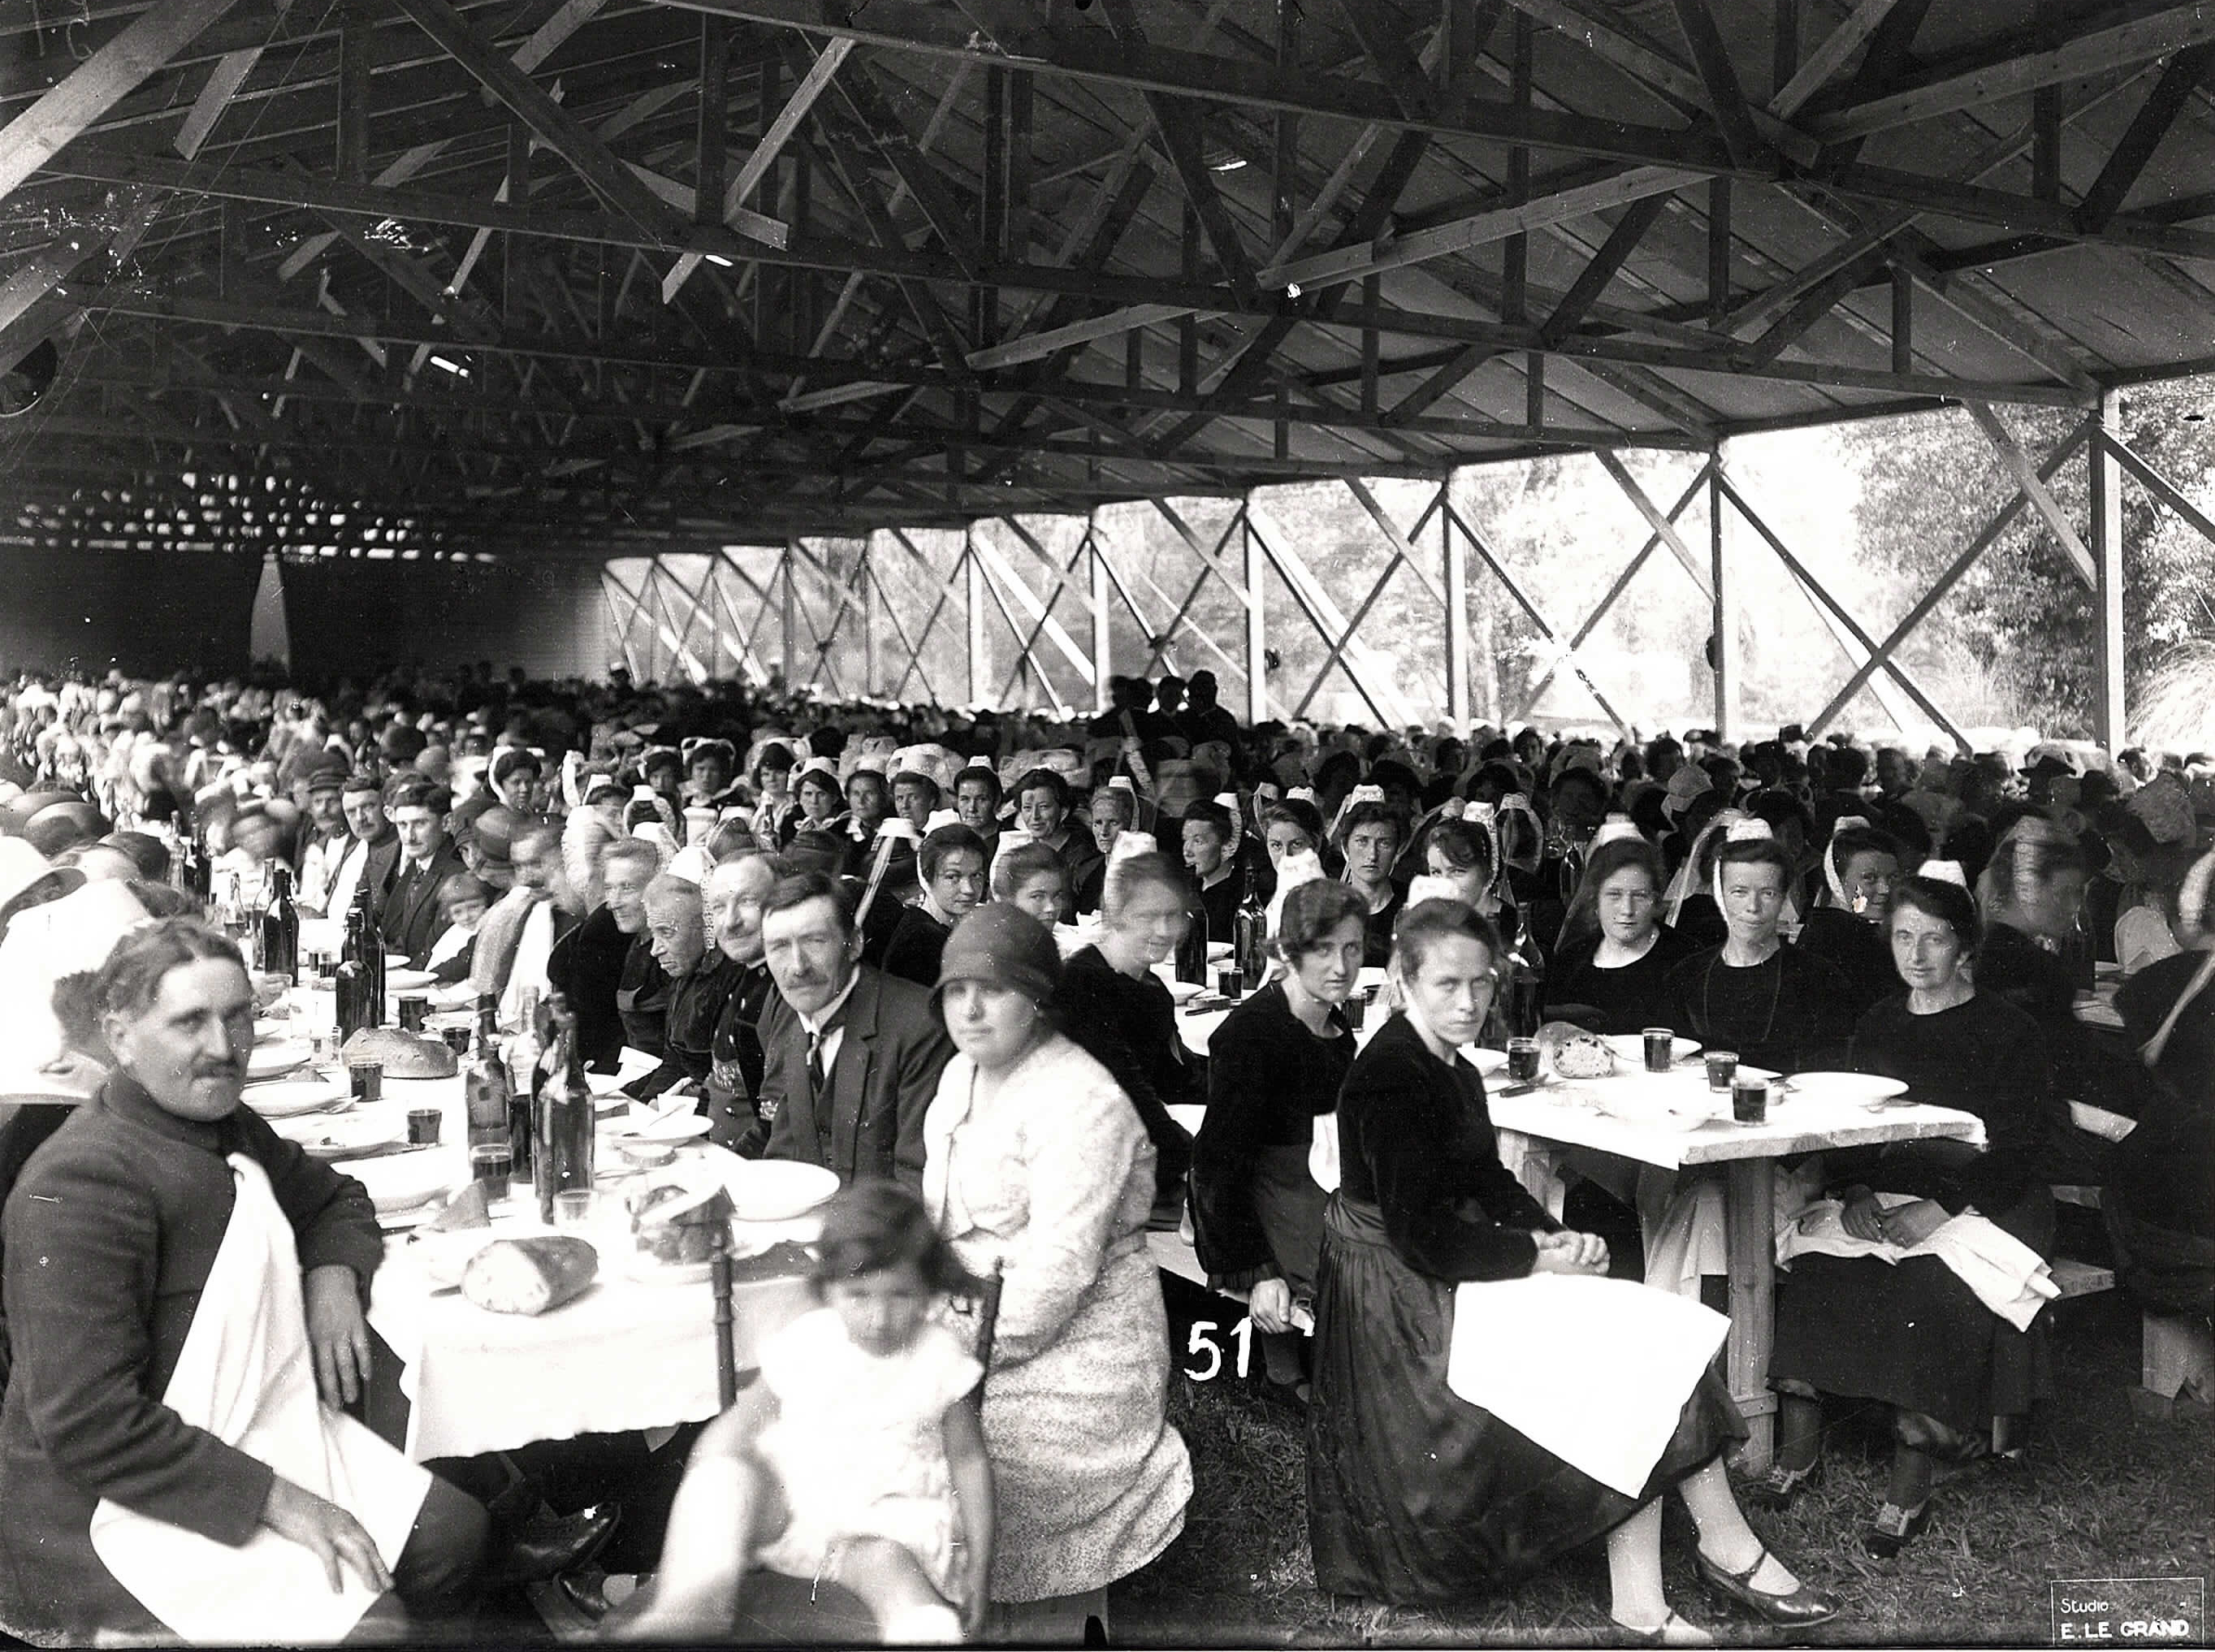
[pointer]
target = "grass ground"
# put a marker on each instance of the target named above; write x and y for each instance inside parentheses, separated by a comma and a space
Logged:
(2097, 1496)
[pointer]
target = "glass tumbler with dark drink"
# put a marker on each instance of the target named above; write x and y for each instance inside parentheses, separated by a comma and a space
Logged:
(1722, 1067)
(1523, 1060)
(1660, 1049)
(1749, 1099)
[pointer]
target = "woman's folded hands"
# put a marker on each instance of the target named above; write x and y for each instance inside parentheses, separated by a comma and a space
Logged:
(1569, 1253)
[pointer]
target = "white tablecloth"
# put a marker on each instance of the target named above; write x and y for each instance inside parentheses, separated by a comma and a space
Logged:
(627, 1354)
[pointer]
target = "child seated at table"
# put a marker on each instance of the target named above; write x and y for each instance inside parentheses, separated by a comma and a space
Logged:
(856, 1459)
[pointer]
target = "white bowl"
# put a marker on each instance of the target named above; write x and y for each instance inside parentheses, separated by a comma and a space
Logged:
(1853, 1089)
(274, 1060)
(288, 1098)
(777, 1189)
(403, 1182)
(408, 981)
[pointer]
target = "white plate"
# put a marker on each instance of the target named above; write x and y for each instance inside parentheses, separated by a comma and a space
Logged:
(402, 1182)
(331, 1134)
(777, 1189)
(274, 1060)
(1855, 1088)
(288, 1098)
(1630, 1048)
(646, 1271)
(267, 1031)
(1185, 992)
(666, 1130)
(1218, 950)
(1486, 1062)
(408, 980)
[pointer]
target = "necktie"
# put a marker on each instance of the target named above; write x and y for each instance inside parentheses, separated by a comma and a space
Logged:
(815, 1085)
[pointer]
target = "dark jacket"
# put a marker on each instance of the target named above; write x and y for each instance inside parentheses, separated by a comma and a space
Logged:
(918, 942)
(1416, 1141)
(883, 1078)
(587, 966)
(111, 1231)
(408, 909)
(696, 1006)
(737, 1060)
(1129, 1027)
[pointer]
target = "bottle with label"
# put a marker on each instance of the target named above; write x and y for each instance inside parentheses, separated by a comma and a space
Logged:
(353, 980)
(566, 1135)
(1249, 938)
(484, 1081)
(280, 926)
(1192, 951)
(372, 955)
(525, 1052)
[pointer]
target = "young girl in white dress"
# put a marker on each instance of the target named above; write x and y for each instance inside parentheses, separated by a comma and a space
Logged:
(856, 1459)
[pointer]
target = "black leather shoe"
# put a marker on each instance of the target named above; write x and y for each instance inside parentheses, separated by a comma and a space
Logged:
(1801, 1607)
(546, 1548)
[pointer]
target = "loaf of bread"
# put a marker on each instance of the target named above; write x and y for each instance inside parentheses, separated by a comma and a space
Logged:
(468, 1208)
(676, 1219)
(529, 1276)
(405, 1056)
(1575, 1053)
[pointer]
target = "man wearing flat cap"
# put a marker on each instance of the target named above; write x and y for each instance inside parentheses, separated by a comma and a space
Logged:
(323, 834)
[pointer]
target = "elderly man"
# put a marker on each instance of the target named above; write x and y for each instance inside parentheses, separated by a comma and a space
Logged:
(952, 863)
(701, 981)
(853, 1056)
(733, 898)
(603, 967)
(113, 1234)
(408, 915)
(368, 858)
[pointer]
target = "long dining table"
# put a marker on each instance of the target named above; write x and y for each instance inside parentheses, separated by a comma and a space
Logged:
(636, 1352)
(1628, 1116)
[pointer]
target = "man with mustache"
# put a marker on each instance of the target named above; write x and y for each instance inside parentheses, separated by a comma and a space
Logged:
(113, 1233)
(733, 898)
(853, 1055)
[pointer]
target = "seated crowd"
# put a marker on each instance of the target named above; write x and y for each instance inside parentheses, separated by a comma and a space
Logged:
(924, 951)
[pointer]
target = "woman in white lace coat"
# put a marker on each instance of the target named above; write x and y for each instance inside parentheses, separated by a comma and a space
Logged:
(1036, 1159)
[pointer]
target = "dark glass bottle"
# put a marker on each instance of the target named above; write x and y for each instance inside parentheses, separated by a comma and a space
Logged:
(1192, 951)
(280, 926)
(484, 1084)
(566, 1132)
(1249, 938)
(352, 978)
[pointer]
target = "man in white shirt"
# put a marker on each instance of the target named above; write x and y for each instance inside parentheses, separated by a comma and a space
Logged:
(374, 847)
(551, 907)
(328, 835)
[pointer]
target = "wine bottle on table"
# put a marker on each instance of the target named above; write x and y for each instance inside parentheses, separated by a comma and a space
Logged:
(484, 1082)
(566, 1132)
(281, 927)
(352, 979)
(525, 1052)
(1249, 938)
(373, 956)
(1192, 951)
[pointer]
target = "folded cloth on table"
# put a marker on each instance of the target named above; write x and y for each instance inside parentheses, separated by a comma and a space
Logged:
(1595, 1370)
(2007, 1276)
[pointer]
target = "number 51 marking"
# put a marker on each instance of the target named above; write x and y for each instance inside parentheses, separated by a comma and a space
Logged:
(1202, 1340)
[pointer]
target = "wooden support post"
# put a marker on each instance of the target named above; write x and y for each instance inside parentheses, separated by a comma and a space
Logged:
(1785, 46)
(1750, 1243)
(715, 79)
(1903, 319)
(973, 576)
(1103, 666)
(1257, 630)
(1722, 582)
(1456, 555)
(1718, 250)
(354, 65)
(2109, 708)
(788, 565)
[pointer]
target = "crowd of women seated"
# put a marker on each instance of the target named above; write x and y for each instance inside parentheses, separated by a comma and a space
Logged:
(1796, 902)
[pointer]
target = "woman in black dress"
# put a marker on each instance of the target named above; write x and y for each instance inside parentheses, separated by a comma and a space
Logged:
(1909, 1332)
(1414, 1494)
(1610, 974)
(1776, 1007)
(1845, 928)
(1369, 836)
(1111, 1004)
(1274, 1066)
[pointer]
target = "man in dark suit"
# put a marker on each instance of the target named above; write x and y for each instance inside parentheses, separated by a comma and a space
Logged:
(409, 914)
(853, 1055)
(367, 860)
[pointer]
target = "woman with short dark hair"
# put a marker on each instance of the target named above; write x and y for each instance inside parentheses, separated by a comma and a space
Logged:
(1369, 836)
(1610, 972)
(1904, 1329)
(1274, 1066)
(1415, 1495)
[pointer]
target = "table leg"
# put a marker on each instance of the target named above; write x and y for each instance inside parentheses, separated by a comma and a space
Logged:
(1750, 1221)
(1536, 1163)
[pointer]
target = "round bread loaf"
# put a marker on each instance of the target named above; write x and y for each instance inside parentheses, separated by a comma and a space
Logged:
(405, 1054)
